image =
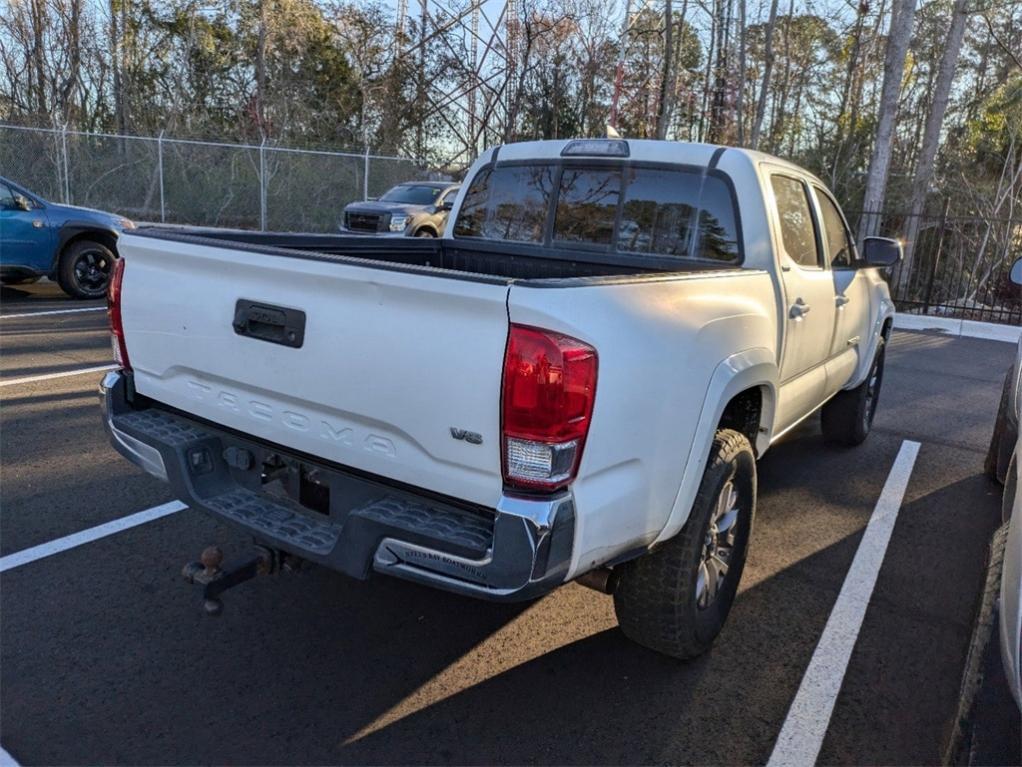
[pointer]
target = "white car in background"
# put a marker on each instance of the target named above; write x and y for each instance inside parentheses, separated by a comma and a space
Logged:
(1011, 576)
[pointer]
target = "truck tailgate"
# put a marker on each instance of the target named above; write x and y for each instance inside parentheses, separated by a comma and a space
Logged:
(396, 367)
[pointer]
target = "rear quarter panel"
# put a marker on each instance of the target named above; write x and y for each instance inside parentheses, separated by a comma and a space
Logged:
(663, 345)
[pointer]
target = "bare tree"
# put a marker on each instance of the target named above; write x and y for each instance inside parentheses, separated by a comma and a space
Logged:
(768, 66)
(663, 117)
(931, 133)
(902, 15)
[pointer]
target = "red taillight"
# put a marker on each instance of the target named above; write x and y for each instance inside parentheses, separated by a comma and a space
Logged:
(547, 400)
(113, 313)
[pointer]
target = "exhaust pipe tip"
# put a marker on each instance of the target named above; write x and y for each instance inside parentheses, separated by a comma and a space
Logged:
(602, 579)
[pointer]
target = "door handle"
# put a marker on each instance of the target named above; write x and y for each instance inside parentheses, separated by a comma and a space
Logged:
(841, 300)
(799, 309)
(37, 223)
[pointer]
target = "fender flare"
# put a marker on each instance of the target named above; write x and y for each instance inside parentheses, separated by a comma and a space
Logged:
(72, 229)
(866, 360)
(744, 370)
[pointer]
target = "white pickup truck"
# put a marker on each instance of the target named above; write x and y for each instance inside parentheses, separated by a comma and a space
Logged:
(575, 382)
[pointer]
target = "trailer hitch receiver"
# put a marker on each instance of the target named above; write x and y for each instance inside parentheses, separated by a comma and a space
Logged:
(215, 579)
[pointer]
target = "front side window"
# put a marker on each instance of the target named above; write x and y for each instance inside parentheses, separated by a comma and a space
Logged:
(637, 210)
(835, 234)
(797, 229)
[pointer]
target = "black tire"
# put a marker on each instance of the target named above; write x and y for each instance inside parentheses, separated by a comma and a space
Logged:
(1002, 441)
(848, 417)
(657, 599)
(19, 280)
(1010, 489)
(425, 233)
(84, 269)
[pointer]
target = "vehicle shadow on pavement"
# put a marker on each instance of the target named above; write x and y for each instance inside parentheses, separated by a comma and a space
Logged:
(604, 700)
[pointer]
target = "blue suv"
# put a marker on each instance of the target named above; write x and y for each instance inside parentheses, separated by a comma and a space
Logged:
(75, 246)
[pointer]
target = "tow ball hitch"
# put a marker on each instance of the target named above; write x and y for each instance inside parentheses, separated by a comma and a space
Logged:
(215, 579)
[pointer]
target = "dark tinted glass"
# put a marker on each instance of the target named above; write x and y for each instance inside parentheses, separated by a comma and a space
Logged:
(797, 230)
(839, 247)
(678, 213)
(473, 207)
(6, 198)
(516, 200)
(412, 194)
(586, 206)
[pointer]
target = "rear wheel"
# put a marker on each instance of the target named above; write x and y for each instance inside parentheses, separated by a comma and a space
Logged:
(1010, 489)
(848, 417)
(84, 269)
(425, 233)
(675, 599)
(1002, 442)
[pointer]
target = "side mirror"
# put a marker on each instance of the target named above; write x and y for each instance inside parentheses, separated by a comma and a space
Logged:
(22, 203)
(1016, 272)
(881, 251)
(446, 205)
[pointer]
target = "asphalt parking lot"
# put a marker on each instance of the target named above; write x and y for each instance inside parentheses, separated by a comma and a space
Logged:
(106, 656)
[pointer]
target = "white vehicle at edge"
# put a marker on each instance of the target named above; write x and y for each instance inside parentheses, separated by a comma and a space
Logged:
(575, 382)
(1010, 621)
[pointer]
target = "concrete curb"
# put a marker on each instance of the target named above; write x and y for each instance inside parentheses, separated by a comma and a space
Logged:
(991, 331)
(972, 676)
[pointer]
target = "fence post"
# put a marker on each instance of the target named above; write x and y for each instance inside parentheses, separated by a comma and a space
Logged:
(936, 257)
(159, 157)
(365, 177)
(262, 185)
(67, 170)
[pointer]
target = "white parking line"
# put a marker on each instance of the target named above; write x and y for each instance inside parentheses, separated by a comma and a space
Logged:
(74, 540)
(64, 374)
(52, 311)
(809, 716)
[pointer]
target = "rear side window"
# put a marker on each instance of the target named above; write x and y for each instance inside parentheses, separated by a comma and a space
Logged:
(634, 209)
(797, 229)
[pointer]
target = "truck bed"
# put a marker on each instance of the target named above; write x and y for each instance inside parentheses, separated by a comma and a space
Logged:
(482, 260)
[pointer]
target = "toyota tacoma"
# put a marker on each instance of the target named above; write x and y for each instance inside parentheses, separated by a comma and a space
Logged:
(574, 383)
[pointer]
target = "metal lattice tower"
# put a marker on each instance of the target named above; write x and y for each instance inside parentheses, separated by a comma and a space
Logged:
(480, 41)
(399, 27)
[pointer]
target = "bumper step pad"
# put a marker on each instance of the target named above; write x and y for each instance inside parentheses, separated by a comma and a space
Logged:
(271, 518)
(284, 522)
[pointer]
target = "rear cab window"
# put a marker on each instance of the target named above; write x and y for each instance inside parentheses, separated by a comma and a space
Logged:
(667, 213)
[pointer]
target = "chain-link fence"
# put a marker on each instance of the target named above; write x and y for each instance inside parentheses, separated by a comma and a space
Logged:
(198, 183)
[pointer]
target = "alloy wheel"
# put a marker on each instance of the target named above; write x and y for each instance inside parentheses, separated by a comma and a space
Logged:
(718, 545)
